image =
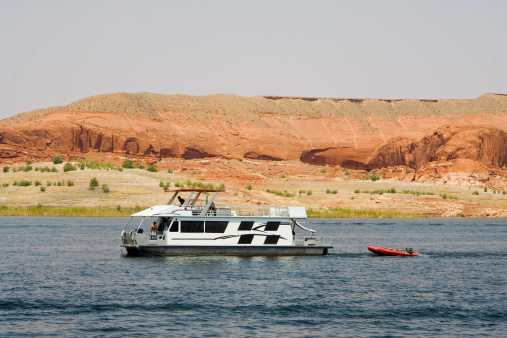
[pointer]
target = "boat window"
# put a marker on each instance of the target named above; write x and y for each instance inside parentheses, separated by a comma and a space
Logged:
(192, 226)
(175, 226)
(272, 226)
(216, 226)
(245, 226)
(272, 239)
(163, 224)
(245, 239)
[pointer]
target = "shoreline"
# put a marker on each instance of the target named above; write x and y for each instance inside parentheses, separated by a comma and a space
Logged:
(326, 192)
(55, 211)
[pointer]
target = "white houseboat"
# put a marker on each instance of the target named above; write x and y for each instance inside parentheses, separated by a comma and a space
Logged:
(201, 228)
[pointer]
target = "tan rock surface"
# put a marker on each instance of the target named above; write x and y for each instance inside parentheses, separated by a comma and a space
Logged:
(432, 137)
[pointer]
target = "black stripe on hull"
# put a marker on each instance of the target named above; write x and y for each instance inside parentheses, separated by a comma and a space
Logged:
(151, 250)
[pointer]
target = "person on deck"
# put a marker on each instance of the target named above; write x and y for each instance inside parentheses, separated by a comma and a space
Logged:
(181, 200)
(153, 230)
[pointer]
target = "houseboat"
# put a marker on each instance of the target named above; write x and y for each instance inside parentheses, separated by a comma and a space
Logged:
(192, 226)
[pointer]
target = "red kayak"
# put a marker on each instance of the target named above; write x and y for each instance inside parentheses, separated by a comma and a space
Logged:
(391, 252)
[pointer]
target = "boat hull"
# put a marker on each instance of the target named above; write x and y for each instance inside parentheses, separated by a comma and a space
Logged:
(159, 250)
(390, 252)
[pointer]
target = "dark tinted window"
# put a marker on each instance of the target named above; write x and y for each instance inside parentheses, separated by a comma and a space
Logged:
(216, 226)
(192, 226)
(272, 239)
(174, 226)
(245, 239)
(245, 226)
(272, 226)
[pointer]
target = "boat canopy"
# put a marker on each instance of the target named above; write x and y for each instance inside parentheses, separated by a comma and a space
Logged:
(155, 211)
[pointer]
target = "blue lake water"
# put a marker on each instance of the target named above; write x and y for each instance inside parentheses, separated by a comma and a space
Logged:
(68, 277)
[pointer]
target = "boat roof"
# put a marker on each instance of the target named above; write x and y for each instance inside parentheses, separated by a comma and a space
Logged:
(192, 189)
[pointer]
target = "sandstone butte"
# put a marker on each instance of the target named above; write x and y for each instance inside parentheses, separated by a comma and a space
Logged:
(435, 138)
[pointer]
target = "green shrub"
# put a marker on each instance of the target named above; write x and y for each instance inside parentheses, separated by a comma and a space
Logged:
(128, 164)
(323, 170)
(152, 168)
(357, 191)
(221, 186)
(37, 183)
(249, 187)
(309, 193)
(69, 167)
(57, 160)
(485, 189)
(5, 185)
(28, 162)
(59, 184)
(161, 184)
(105, 188)
(27, 168)
(475, 192)
(6, 168)
(93, 165)
(170, 171)
(42, 188)
(284, 193)
(118, 208)
(70, 183)
(22, 183)
(94, 183)
(54, 170)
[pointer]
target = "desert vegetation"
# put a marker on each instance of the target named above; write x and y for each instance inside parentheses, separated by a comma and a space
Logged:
(103, 186)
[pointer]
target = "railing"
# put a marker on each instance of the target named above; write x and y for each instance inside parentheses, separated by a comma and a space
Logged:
(243, 211)
(313, 238)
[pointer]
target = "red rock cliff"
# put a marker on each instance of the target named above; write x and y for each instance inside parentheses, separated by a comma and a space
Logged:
(351, 133)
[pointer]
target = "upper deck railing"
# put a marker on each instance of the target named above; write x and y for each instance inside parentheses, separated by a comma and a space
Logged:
(242, 211)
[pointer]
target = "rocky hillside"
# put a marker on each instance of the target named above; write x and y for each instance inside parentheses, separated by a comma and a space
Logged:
(430, 136)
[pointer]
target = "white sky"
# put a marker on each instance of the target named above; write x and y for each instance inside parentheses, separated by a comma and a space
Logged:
(56, 52)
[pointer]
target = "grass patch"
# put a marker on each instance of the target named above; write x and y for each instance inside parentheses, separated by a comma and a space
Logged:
(356, 213)
(284, 193)
(98, 165)
(50, 211)
(22, 183)
(201, 185)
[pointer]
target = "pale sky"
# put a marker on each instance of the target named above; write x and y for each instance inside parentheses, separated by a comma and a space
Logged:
(56, 52)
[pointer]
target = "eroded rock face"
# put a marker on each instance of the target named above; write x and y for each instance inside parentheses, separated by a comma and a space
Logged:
(353, 134)
(484, 145)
